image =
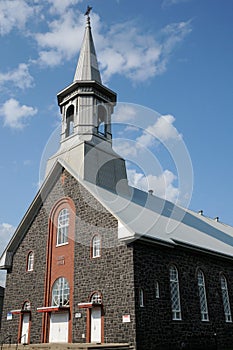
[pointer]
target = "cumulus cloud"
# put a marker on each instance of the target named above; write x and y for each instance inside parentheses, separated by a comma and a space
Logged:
(6, 232)
(162, 185)
(14, 13)
(62, 41)
(16, 115)
(59, 7)
(163, 130)
(124, 113)
(138, 55)
(132, 53)
(19, 77)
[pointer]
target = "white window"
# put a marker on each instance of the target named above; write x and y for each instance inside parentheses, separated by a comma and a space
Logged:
(96, 245)
(96, 299)
(61, 292)
(175, 293)
(63, 226)
(30, 261)
(225, 299)
(157, 290)
(27, 306)
(141, 297)
(202, 296)
(70, 121)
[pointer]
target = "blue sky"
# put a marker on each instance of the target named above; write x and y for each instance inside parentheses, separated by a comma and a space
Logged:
(172, 56)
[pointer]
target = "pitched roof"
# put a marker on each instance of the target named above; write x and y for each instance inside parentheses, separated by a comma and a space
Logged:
(87, 67)
(140, 216)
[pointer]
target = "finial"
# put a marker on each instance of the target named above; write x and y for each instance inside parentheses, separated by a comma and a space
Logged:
(87, 13)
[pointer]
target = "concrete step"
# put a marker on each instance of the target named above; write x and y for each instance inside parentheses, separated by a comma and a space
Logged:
(59, 346)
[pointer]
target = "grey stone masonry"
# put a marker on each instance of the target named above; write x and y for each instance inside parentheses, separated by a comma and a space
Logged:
(111, 274)
(154, 324)
(1, 302)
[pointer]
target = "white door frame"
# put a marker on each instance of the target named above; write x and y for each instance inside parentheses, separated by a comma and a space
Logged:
(59, 327)
(25, 326)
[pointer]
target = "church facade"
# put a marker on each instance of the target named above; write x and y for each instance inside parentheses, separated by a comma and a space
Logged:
(92, 261)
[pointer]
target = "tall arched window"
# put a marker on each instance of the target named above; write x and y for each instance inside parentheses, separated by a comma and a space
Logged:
(30, 261)
(96, 246)
(70, 121)
(175, 293)
(102, 118)
(202, 296)
(62, 226)
(61, 292)
(225, 299)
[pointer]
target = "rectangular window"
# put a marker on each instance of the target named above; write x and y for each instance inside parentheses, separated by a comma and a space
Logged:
(157, 290)
(141, 297)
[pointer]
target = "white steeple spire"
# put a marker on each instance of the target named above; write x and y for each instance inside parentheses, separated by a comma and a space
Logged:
(87, 67)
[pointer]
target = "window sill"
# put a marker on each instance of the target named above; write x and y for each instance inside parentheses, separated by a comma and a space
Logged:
(177, 319)
(62, 244)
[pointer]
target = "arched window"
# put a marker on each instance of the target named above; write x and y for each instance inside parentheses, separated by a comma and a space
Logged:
(175, 293)
(70, 121)
(26, 306)
(30, 261)
(96, 298)
(62, 226)
(141, 297)
(61, 292)
(102, 118)
(225, 299)
(202, 296)
(96, 246)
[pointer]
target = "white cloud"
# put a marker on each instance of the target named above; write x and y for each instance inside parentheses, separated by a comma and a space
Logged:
(6, 232)
(123, 49)
(20, 77)
(139, 56)
(63, 39)
(126, 149)
(60, 6)
(13, 13)
(163, 130)
(16, 115)
(124, 113)
(162, 185)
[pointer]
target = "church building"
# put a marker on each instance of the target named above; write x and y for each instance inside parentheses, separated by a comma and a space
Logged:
(92, 260)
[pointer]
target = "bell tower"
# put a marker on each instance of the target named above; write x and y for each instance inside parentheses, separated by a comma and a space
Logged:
(86, 108)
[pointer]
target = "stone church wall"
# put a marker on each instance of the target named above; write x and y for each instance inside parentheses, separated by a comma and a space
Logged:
(111, 274)
(155, 328)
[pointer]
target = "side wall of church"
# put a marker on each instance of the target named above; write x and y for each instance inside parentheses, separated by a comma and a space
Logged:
(155, 327)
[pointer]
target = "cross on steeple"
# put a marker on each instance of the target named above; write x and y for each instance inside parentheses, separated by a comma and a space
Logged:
(87, 13)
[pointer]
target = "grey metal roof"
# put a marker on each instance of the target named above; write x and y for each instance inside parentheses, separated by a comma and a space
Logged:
(140, 216)
(87, 67)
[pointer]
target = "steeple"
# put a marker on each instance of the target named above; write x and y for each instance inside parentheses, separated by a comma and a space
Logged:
(86, 107)
(87, 67)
